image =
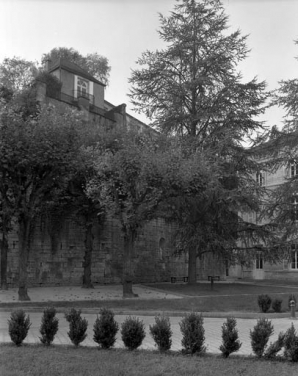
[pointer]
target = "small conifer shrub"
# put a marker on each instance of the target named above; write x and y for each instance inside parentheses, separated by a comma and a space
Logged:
(105, 329)
(275, 347)
(18, 326)
(49, 326)
(132, 332)
(193, 333)
(264, 303)
(230, 341)
(276, 305)
(260, 335)
(77, 326)
(291, 344)
(161, 333)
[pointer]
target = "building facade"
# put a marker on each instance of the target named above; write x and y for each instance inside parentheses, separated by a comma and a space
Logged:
(260, 269)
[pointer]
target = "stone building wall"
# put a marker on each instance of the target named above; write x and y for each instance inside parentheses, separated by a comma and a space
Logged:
(57, 253)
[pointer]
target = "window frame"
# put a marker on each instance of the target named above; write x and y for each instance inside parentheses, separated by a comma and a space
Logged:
(259, 261)
(77, 92)
(82, 86)
(294, 207)
(294, 261)
(260, 178)
(293, 168)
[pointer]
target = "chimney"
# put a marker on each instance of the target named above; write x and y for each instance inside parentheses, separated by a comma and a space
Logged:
(48, 64)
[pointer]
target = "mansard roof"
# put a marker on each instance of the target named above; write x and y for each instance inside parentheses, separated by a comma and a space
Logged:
(73, 68)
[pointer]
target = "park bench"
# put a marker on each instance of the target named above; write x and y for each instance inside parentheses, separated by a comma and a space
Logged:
(213, 278)
(179, 279)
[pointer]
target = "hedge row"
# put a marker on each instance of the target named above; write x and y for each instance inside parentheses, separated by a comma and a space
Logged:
(132, 331)
(265, 302)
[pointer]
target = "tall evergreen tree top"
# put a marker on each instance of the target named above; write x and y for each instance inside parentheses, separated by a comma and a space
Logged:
(192, 86)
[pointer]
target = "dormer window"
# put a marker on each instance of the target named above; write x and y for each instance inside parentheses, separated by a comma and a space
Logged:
(83, 88)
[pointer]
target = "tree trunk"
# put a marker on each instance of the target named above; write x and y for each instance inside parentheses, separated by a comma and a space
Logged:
(88, 257)
(127, 278)
(192, 266)
(4, 251)
(24, 233)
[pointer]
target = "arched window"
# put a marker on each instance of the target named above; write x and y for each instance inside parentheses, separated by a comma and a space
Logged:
(82, 87)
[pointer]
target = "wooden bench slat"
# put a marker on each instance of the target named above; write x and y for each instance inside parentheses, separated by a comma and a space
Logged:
(176, 279)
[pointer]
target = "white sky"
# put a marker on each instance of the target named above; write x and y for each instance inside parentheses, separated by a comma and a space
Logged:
(122, 29)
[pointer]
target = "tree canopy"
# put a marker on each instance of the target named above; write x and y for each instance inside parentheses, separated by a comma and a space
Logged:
(37, 157)
(17, 74)
(136, 176)
(192, 86)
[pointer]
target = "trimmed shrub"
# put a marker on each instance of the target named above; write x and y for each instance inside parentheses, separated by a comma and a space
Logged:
(291, 344)
(77, 326)
(275, 347)
(161, 333)
(132, 332)
(49, 326)
(276, 305)
(230, 341)
(291, 297)
(193, 333)
(264, 302)
(18, 326)
(105, 329)
(260, 335)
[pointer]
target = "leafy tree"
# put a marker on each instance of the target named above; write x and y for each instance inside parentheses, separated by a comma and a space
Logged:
(6, 215)
(192, 89)
(5, 93)
(86, 210)
(136, 176)
(95, 64)
(6, 211)
(37, 157)
(16, 73)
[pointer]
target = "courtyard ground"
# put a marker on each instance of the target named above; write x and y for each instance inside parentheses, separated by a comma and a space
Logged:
(239, 299)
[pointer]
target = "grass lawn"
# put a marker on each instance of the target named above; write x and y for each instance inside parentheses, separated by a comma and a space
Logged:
(226, 297)
(204, 289)
(36, 360)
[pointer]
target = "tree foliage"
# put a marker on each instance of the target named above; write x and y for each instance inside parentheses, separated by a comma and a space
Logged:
(37, 157)
(192, 86)
(137, 175)
(17, 74)
(95, 64)
(192, 89)
(280, 151)
(286, 96)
